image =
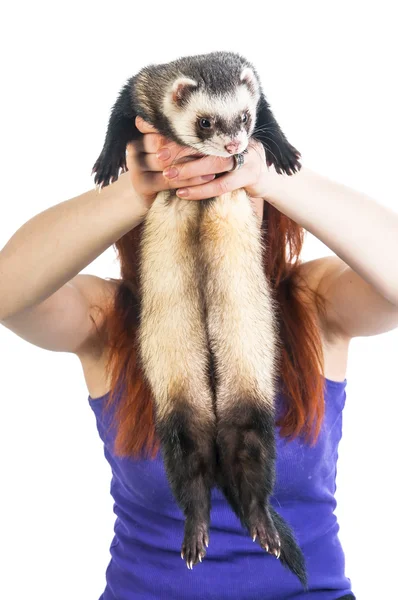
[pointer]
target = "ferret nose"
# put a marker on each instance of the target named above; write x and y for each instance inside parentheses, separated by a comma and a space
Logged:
(232, 147)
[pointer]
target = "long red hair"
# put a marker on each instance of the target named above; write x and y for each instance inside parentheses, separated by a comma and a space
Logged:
(300, 360)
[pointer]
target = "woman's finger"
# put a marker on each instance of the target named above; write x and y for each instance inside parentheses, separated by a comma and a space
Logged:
(172, 153)
(150, 162)
(131, 149)
(147, 162)
(215, 164)
(187, 166)
(195, 168)
(153, 143)
(141, 149)
(155, 182)
(222, 185)
(150, 142)
(144, 126)
(165, 151)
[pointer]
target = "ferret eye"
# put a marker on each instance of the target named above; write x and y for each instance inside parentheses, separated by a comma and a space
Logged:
(205, 123)
(244, 118)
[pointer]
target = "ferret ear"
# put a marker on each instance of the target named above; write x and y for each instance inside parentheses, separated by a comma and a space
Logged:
(278, 151)
(182, 89)
(249, 78)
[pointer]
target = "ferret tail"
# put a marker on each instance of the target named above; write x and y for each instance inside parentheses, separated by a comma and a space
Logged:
(291, 556)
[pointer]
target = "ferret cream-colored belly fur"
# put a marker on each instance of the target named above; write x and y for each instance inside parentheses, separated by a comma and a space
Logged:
(208, 348)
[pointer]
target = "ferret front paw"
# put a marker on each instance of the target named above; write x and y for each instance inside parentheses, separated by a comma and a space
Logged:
(196, 537)
(107, 167)
(285, 158)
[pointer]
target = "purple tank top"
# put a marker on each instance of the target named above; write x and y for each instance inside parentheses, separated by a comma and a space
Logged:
(145, 551)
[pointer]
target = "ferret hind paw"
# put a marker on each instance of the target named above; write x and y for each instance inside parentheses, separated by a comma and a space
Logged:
(263, 530)
(193, 547)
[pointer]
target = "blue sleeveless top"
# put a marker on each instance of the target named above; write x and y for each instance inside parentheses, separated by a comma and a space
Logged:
(145, 551)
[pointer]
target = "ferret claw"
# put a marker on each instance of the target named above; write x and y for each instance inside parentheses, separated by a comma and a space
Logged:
(263, 529)
(196, 538)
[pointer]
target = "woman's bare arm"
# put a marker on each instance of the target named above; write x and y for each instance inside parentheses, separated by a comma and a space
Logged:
(55, 245)
(43, 298)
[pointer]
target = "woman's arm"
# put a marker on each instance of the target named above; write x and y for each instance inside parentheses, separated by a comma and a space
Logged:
(362, 232)
(361, 283)
(53, 246)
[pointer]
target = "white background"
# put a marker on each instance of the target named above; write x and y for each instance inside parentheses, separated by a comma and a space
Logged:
(329, 71)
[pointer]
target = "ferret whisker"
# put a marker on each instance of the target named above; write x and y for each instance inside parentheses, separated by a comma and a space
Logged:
(262, 132)
(274, 142)
(266, 126)
(269, 150)
(268, 130)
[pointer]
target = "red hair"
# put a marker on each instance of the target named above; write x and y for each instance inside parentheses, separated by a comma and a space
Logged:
(300, 361)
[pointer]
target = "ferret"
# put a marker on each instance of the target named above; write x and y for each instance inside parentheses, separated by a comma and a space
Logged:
(207, 337)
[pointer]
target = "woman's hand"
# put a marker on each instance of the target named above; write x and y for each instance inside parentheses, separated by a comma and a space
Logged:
(156, 164)
(146, 165)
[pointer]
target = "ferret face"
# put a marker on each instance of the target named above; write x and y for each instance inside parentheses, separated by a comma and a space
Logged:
(218, 125)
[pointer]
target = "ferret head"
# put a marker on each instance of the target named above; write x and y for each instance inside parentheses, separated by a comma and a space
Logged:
(218, 123)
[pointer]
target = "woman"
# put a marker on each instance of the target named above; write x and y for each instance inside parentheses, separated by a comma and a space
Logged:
(322, 305)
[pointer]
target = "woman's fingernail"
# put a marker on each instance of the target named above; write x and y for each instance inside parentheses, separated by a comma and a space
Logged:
(170, 172)
(183, 192)
(208, 177)
(163, 154)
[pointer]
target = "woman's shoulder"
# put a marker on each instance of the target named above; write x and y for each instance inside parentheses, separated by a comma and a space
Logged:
(312, 271)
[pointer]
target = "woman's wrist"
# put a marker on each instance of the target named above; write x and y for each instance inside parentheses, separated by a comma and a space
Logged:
(122, 193)
(276, 185)
(290, 194)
